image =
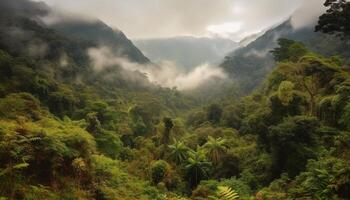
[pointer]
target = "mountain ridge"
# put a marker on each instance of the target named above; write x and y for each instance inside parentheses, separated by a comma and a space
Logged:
(187, 51)
(249, 65)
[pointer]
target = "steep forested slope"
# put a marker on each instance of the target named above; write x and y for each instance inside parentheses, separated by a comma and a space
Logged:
(295, 130)
(62, 123)
(101, 34)
(249, 65)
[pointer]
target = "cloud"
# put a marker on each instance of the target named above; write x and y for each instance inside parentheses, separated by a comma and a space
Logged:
(168, 18)
(165, 74)
(307, 14)
(226, 29)
(37, 49)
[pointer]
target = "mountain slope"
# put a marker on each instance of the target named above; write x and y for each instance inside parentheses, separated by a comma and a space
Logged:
(188, 52)
(101, 34)
(249, 65)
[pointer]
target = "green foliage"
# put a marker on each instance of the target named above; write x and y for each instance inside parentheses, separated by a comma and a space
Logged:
(285, 92)
(345, 118)
(292, 143)
(215, 148)
(323, 179)
(214, 113)
(289, 50)
(21, 104)
(335, 20)
(196, 118)
(109, 143)
(159, 170)
(179, 152)
(226, 193)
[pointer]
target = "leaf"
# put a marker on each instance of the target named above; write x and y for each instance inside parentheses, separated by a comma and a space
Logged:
(226, 193)
(20, 166)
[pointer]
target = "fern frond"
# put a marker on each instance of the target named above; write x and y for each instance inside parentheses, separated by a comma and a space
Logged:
(226, 193)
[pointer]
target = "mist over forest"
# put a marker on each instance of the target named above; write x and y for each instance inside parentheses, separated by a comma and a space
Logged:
(174, 100)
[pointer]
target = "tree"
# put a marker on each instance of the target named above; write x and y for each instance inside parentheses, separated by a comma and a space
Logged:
(178, 152)
(168, 124)
(285, 92)
(292, 144)
(215, 149)
(288, 50)
(325, 178)
(198, 167)
(94, 125)
(214, 113)
(336, 20)
(159, 170)
(310, 73)
(345, 118)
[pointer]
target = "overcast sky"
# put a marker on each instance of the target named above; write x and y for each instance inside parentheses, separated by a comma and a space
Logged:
(234, 19)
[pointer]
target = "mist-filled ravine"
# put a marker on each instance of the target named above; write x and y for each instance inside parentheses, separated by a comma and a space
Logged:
(174, 100)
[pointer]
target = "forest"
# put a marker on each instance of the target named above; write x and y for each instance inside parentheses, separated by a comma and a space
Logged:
(71, 132)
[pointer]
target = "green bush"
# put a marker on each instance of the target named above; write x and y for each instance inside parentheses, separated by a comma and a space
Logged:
(159, 170)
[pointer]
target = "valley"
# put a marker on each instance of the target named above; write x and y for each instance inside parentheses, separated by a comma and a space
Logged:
(88, 113)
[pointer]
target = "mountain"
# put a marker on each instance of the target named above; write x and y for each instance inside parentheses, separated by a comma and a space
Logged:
(249, 65)
(186, 51)
(101, 34)
(24, 31)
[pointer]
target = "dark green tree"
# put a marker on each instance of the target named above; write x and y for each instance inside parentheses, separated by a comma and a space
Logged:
(336, 20)
(288, 50)
(214, 113)
(168, 125)
(159, 170)
(292, 144)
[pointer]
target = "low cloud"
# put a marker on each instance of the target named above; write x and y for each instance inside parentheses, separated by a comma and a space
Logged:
(235, 19)
(37, 49)
(165, 74)
(307, 14)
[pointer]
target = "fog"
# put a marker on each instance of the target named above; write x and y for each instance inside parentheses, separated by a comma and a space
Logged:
(165, 73)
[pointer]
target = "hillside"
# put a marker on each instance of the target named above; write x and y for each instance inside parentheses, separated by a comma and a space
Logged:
(101, 34)
(249, 65)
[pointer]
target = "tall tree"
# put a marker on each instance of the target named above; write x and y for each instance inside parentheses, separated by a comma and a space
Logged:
(288, 50)
(168, 125)
(336, 20)
(214, 113)
(311, 73)
(292, 143)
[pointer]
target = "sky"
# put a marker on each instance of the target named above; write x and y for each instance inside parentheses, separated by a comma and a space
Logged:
(234, 19)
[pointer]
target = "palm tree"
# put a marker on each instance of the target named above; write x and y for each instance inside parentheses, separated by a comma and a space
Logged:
(198, 167)
(178, 152)
(215, 149)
